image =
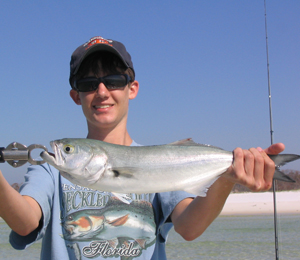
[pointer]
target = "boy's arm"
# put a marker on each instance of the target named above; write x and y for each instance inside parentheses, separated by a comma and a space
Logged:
(21, 213)
(252, 168)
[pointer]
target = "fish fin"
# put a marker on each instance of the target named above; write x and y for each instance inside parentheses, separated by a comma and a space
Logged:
(200, 190)
(113, 242)
(141, 242)
(279, 175)
(190, 142)
(280, 160)
(187, 141)
(119, 221)
(125, 172)
(122, 197)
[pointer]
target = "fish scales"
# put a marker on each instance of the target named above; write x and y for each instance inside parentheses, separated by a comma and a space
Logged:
(182, 165)
(178, 167)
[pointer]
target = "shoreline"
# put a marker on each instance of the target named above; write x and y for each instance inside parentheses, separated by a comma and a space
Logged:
(261, 203)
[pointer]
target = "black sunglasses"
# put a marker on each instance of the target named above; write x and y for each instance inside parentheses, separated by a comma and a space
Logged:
(110, 82)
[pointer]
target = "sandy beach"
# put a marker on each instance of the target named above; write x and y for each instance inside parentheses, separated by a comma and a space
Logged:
(261, 203)
(288, 202)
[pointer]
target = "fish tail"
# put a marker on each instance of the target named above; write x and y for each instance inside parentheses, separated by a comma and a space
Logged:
(279, 175)
(280, 160)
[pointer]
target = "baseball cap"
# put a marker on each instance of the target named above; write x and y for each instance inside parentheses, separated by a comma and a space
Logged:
(95, 44)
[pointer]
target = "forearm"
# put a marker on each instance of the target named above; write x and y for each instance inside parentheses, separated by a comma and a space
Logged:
(21, 213)
(191, 217)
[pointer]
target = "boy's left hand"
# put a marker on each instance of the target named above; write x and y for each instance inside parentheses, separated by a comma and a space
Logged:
(253, 168)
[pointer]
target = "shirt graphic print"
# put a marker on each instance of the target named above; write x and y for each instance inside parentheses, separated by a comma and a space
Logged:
(98, 225)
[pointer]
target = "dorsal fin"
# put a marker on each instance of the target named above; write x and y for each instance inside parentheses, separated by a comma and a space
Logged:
(190, 142)
(187, 141)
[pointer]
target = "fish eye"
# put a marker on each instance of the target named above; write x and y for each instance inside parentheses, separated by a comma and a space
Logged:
(69, 148)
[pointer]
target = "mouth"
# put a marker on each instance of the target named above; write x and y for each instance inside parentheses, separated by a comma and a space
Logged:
(51, 154)
(69, 229)
(102, 106)
(55, 158)
(48, 157)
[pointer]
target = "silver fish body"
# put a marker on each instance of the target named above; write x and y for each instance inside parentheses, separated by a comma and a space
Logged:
(183, 165)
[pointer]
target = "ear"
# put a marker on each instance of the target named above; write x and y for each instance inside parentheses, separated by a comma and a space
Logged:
(133, 89)
(75, 96)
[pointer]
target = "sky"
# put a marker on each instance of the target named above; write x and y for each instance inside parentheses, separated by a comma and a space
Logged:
(201, 65)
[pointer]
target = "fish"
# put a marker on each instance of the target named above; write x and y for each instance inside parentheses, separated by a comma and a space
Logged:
(181, 165)
(114, 222)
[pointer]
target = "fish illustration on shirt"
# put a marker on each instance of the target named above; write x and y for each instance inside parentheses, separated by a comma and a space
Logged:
(117, 220)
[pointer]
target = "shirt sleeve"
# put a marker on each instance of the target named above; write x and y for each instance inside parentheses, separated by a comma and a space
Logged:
(168, 201)
(164, 204)
(39, 184)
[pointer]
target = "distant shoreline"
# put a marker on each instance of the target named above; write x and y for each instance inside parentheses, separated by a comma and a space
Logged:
(261, 203)
(254, 203)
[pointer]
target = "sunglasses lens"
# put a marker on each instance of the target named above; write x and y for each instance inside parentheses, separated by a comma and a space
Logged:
(115, 81)
(110, 82)
(86, 85)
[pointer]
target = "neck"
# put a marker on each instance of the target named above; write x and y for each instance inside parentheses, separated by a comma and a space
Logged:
(113, 136)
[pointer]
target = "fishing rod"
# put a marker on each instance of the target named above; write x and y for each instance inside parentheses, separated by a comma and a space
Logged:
(271, 135)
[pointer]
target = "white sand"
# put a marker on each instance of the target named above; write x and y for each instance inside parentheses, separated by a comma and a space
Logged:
(288, 202)
(256, 203)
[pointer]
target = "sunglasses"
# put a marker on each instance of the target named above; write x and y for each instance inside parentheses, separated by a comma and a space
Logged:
(110, 82)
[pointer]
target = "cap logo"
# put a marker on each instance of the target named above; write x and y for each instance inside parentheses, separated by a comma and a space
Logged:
(97, 40)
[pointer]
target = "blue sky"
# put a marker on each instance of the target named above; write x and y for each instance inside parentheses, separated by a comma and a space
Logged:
(201, 67)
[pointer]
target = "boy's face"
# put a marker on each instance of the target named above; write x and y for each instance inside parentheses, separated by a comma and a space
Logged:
(103, 108)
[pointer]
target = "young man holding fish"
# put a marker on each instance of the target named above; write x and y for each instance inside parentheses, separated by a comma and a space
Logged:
(80, 223)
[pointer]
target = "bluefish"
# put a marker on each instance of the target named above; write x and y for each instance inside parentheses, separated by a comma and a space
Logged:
(182, 165)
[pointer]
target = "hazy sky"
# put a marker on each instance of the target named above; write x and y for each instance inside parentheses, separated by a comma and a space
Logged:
(201, 65)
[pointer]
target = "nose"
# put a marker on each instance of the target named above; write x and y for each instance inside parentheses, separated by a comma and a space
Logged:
(102, 91)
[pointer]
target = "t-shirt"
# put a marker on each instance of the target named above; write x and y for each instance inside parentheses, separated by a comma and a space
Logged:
(81, 223)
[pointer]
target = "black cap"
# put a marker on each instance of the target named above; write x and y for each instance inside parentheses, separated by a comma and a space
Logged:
(98, 43)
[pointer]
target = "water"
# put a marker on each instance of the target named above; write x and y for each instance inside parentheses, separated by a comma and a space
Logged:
(8, 253)
(240, 237)
(230, 237)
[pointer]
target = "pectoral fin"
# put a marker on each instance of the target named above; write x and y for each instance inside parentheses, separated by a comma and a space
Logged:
(119, 221)
(125, 172)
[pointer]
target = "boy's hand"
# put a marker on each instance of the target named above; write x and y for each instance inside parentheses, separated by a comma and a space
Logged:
(253, 168)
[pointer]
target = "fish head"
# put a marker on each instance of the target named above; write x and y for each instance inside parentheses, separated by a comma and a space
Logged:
(77, 160)
(81, 225)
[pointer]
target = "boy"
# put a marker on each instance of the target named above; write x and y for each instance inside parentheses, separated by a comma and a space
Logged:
(79, 223)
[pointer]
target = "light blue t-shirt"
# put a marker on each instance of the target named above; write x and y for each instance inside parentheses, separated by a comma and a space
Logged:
(81, 223)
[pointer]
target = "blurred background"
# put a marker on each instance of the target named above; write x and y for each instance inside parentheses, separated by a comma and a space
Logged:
(201, 65)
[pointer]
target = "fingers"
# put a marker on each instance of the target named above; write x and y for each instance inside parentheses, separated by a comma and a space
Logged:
(269, 169)
(253, 168)
(258, 169)
(275, 148)
(242, 167)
